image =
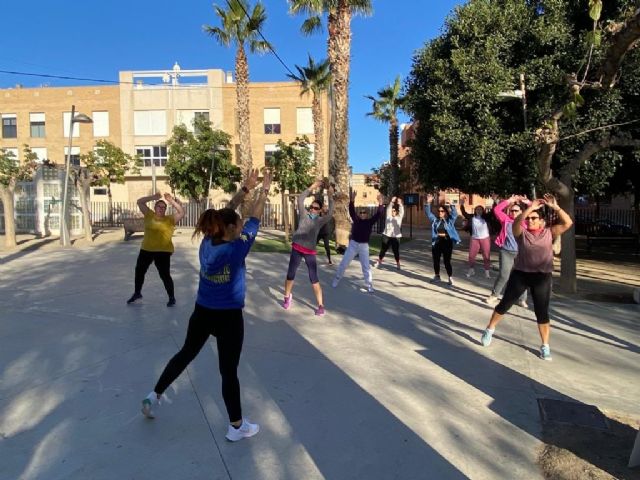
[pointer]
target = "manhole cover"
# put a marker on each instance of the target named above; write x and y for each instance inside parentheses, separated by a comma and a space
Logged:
(571, 413)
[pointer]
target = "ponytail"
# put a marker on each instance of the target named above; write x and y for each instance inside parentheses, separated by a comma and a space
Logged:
(212, 223)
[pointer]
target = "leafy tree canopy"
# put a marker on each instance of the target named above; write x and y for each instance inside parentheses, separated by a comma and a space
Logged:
(192, 155)
(12, 171)
(292, 166)
(109, 164)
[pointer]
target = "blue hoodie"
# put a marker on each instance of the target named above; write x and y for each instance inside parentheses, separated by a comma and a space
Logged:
(222, 270)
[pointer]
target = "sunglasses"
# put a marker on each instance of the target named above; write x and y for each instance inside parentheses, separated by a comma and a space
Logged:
(314, 208)
(515, 210)
(442, 211)
(532, 218)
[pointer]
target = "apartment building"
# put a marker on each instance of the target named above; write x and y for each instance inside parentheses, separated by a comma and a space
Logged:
(139, 115)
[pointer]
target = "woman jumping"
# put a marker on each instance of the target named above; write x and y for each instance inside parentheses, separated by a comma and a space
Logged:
(218, 310)
(532, 268)
(304, 242)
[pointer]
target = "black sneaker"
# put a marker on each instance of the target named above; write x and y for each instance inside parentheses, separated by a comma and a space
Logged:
(171, 302)
(134, 297)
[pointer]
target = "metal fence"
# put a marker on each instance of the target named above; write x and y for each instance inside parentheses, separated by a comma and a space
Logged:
(106, 215)
(619, 216)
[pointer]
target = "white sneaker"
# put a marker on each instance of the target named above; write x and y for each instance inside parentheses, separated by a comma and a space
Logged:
(470, 273)
(435, 279)
(370, 289)
(335, 282)
(487, 274)
(492, 300)
(149, 405)
(378, 264)
(451, 281)
(523, 304)
(245, 430)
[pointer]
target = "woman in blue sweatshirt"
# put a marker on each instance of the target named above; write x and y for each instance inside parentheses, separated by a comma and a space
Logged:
(219, 305)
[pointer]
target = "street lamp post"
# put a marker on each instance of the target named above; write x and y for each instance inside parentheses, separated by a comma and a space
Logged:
(64, 226)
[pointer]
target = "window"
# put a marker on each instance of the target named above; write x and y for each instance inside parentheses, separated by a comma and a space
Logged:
(153, 155)
(41, 153)
(269, 151)
(272, 120)
(66, 118)
(100, 191)
(36, 122)
(304, 121)
(75, 155)
(150, 122)
(100, 124)
(187, 117)
(9, 125)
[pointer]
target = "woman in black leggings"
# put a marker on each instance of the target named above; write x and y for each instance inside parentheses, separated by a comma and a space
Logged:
(443, 236)
(219, 305)
(532, 268)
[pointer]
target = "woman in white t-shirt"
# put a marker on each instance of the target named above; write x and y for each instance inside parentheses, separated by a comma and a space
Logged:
(478, 226)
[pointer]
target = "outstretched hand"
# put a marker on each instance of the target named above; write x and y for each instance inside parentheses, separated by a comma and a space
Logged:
(551, 201)
(352, 195)
(252, 179)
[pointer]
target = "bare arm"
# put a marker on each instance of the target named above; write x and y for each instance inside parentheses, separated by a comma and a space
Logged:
(249, 184)
(565, 219)
(258, 206)
(179, 215)
(142, 202)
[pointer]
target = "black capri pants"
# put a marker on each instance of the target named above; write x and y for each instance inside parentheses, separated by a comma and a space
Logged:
(395, 247)
(294, 262)
(538, 283)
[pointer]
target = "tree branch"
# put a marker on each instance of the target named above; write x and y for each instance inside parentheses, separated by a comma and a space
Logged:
(599, 128)
(621, 42)
(591, 148)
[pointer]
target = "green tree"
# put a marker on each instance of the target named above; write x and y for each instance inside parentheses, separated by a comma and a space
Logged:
(385, 109)
(194, 158)
(339, 13)
(291, 169)
(241, 28)
(104, 165)
(315, 78)
(13, 171)
(466, 139)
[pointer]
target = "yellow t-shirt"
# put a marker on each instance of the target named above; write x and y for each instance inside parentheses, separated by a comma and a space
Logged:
(158, 232)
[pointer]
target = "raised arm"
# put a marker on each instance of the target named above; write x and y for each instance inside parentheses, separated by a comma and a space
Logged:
(463, 210)
(177, 206)
(499, 209)
(427, 208)
(517, 222)
(400, 209)
(249, 184)
(352, 208)
(142, 202)
(565, 219)
(378, 213)
(258, 206)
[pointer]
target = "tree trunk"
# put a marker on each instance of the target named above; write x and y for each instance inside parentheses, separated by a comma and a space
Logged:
(245, 161)
(83, 184)
(393, 158)
(110, 196)
(568, 268)
(285, 214)
(318, 132)
(6, 193)
(339, 57)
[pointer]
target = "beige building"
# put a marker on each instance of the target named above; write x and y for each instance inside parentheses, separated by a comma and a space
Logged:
(138, 115)
(366, 192)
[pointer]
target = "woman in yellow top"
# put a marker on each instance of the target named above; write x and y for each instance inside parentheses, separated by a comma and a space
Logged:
(157, 246)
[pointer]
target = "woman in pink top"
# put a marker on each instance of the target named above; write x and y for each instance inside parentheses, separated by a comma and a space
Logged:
(532, 268)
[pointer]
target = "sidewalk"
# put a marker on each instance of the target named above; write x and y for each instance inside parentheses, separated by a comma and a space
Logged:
(388, 385)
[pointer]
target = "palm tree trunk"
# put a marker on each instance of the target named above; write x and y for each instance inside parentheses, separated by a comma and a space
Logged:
(393, 157)
(83, 191)
(339, 56)
(6, 193)
(318, 131)
(245, 161)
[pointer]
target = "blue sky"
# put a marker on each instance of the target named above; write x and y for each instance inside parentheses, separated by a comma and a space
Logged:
(98, 39)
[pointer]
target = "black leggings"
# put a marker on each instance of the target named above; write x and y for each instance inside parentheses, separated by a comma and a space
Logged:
(309, 259)
(163, 264)
(228, 328)
(327, 248)
(540, 285)
(442, 247)
(395, 247)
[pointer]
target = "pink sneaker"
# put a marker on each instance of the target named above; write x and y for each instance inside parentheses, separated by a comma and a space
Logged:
(320, 311)
(286, 304)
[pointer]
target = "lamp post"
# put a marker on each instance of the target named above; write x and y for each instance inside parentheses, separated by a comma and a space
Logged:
(64, 226)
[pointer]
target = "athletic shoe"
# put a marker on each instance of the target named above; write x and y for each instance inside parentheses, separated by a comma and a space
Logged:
(492, 300)
(487, 335)
(149, 404)
(487, 274)
(470, 273)
(134, 297)
(450, 282)
(398, 266)
(245, 430)
(378, 263)
(435, 279)
(320, 311)
(523, 304)
(370, 289)
(545, 352)
(335, 282)
(171, 302)
(286, 303)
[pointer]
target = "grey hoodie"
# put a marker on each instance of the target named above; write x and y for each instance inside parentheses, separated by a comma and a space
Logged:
(307, 233)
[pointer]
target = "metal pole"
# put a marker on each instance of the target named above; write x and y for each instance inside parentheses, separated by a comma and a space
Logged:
(213, 159)
(524, 119)
(64, 227)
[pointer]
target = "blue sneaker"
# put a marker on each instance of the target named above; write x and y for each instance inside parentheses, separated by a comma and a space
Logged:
(545, 353)
(486, 337)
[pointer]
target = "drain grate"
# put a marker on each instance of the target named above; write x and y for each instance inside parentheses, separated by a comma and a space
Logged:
(572, 413)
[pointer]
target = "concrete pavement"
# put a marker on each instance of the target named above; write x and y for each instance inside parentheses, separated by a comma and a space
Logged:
(387, 385)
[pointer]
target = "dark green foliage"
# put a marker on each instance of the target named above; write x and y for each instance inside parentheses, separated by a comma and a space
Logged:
(291, 166)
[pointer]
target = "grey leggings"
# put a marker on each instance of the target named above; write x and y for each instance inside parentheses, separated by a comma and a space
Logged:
(506, 264)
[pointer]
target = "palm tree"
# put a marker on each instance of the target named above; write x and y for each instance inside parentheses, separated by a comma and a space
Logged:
(339, 13)
(240, 28)
(315, 78)
(385, 109)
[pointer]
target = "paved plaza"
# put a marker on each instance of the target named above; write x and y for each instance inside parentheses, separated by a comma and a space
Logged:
(389, 385)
